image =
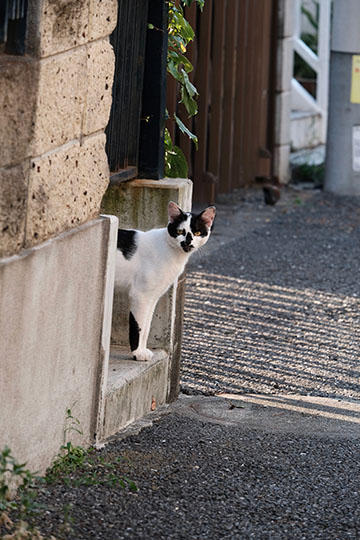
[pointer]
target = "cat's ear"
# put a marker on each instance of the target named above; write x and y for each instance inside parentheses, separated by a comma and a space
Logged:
(208, 216)
(174, 211)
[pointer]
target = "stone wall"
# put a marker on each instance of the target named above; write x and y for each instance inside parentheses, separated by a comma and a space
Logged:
(55, 104)
(55, 318)
(57, 256)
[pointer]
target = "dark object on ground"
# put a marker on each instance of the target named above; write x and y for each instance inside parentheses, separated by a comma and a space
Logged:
(271, 194)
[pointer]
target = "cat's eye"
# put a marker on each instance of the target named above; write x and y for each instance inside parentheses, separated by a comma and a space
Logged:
(180, 232)
(197, 233)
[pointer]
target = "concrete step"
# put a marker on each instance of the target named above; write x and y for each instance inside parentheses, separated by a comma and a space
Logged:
(133, 388)
(305, 129)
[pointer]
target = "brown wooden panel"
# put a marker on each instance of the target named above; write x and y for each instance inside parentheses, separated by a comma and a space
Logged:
(239, 131)
(229, 90)
(216, 96)
(264, 154)
(233, 55)
(250, 113)
(202, 84)
(256, 40)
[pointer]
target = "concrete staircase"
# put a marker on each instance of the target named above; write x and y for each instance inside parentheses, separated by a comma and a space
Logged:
(133, 388)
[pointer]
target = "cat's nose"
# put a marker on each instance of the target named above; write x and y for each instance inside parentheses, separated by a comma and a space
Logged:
(188, 238)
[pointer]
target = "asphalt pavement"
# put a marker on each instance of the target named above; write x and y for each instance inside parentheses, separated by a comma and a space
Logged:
(264, 441)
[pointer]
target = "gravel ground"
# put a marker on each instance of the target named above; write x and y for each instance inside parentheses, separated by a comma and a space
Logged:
(199, 481)
(273, 307)
(277, 309)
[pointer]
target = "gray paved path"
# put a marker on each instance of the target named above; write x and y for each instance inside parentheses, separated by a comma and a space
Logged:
(278, 308)
(272, 319)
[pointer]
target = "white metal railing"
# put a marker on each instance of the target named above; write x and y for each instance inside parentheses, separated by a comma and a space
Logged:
(301, 98)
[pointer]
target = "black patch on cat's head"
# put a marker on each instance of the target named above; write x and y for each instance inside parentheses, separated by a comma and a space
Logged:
(198, 225)
(186, 244)
(175, 225)
(126, 243)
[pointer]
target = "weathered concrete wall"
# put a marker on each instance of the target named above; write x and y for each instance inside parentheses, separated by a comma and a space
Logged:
(142, 204)
(55, 314)
(56, 274)
(55, 103)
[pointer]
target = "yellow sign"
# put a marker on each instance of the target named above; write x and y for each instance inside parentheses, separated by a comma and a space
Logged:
(355, 79)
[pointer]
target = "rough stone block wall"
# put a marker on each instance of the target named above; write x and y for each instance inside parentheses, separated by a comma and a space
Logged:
(55, 103)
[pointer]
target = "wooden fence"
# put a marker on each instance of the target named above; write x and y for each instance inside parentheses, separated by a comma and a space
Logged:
(234, 60)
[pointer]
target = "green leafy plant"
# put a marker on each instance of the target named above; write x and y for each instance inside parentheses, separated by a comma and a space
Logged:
(72, 423)
(175, 162)
(69, 459)
(77, 466)
(15, 476)
(71, 456)
(309, 173)
(180, 34)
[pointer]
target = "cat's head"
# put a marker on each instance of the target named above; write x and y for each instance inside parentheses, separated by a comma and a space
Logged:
(189, 231)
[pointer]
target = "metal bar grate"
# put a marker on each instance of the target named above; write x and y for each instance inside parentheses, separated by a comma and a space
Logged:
(128, 40)
(13, 25)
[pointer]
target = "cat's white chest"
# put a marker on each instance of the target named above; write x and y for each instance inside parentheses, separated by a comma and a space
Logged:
(154, 266)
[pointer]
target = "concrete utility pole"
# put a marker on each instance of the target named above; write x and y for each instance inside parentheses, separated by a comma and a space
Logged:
(342, 171)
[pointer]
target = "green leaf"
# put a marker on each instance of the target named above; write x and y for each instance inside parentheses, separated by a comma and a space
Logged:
(180, 60)
(167, 139)
(188, 3)
(171, 67)
(188, 85)
(185, 130)
(190, 103)
(186, 63)
(187, 31)
(133, 487)
(175, 163)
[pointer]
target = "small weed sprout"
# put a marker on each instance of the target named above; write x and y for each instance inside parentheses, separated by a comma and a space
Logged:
(70, 457)
(73, 423)
(77, 466)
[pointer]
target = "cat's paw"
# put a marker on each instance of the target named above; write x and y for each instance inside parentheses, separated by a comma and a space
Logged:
(142, 355)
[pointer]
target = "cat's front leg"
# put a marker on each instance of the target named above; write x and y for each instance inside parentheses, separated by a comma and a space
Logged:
(141, 313)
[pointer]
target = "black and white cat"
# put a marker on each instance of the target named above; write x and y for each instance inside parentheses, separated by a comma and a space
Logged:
(147, 263)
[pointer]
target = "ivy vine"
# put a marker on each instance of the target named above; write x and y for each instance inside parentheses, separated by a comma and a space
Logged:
(180, 34)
